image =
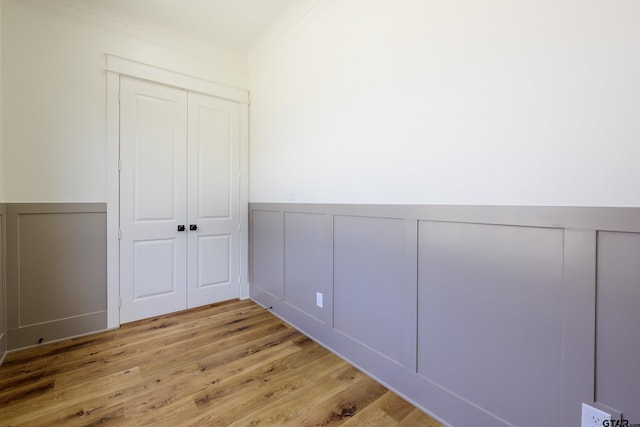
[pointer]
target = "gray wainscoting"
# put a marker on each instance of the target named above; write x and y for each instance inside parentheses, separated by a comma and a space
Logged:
(56, 271)
(618, 326)
(480, 315)
(3, 288)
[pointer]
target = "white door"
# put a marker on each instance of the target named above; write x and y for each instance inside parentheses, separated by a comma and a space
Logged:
(179, 199)
(214, 167)
(153, 199)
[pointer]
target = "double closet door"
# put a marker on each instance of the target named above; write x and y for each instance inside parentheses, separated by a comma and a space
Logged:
(179, 199)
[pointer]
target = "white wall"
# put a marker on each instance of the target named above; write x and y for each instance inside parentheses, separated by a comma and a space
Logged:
(55, 96)
(3, 305)
(462, 102)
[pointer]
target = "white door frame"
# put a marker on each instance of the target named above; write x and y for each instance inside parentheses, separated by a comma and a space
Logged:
(116, 67)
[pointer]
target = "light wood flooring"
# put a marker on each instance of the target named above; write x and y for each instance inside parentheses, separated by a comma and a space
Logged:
(227, 364)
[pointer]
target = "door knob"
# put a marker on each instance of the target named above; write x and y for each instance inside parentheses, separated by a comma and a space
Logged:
(181, 228)
(193, 227)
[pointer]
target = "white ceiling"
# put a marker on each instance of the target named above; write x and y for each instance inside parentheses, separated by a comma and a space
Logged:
(228, 23)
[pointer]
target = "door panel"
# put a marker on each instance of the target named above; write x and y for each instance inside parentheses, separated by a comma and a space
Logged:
(155, 151)
(153, 268)
(214, 142)
(214, 163)
(213, 263)
(153, 200)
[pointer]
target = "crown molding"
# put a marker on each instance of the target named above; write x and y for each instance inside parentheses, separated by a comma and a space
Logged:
(85, 15)
(292, 17)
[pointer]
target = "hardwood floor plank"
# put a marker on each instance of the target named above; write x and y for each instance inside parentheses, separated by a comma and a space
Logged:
(238, 345)
(394, 406)
(259, 388)
(89, 414)
(259, 377)
(199, 379)
(223, 374)
(417, 418)
(232, 363)
(341, 406)
(67, 401)
(172, 414)
(160, 390)
(27, 392)
(290, 407)
(371, 416)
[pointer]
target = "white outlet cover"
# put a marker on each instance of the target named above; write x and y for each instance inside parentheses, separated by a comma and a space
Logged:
(319, 299)
(593, 417)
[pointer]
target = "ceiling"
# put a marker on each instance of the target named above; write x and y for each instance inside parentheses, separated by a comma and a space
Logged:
(227, 23)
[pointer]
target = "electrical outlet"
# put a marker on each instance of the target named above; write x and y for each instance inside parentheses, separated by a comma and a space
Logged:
(594, 417)
(319, 299)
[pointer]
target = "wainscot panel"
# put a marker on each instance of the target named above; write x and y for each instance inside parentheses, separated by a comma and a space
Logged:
(618, 323)
(372, 301)
(490, 313)
(479, 315)
(267, 242)
(56, 271)
(3, 288)
(308, 282)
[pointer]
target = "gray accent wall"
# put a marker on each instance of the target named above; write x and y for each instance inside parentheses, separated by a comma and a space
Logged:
(480, 315)
(56, 271)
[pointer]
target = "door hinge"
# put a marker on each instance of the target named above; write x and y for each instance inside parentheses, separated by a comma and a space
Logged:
(119, 234)
(119, 301)
(119, 165)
